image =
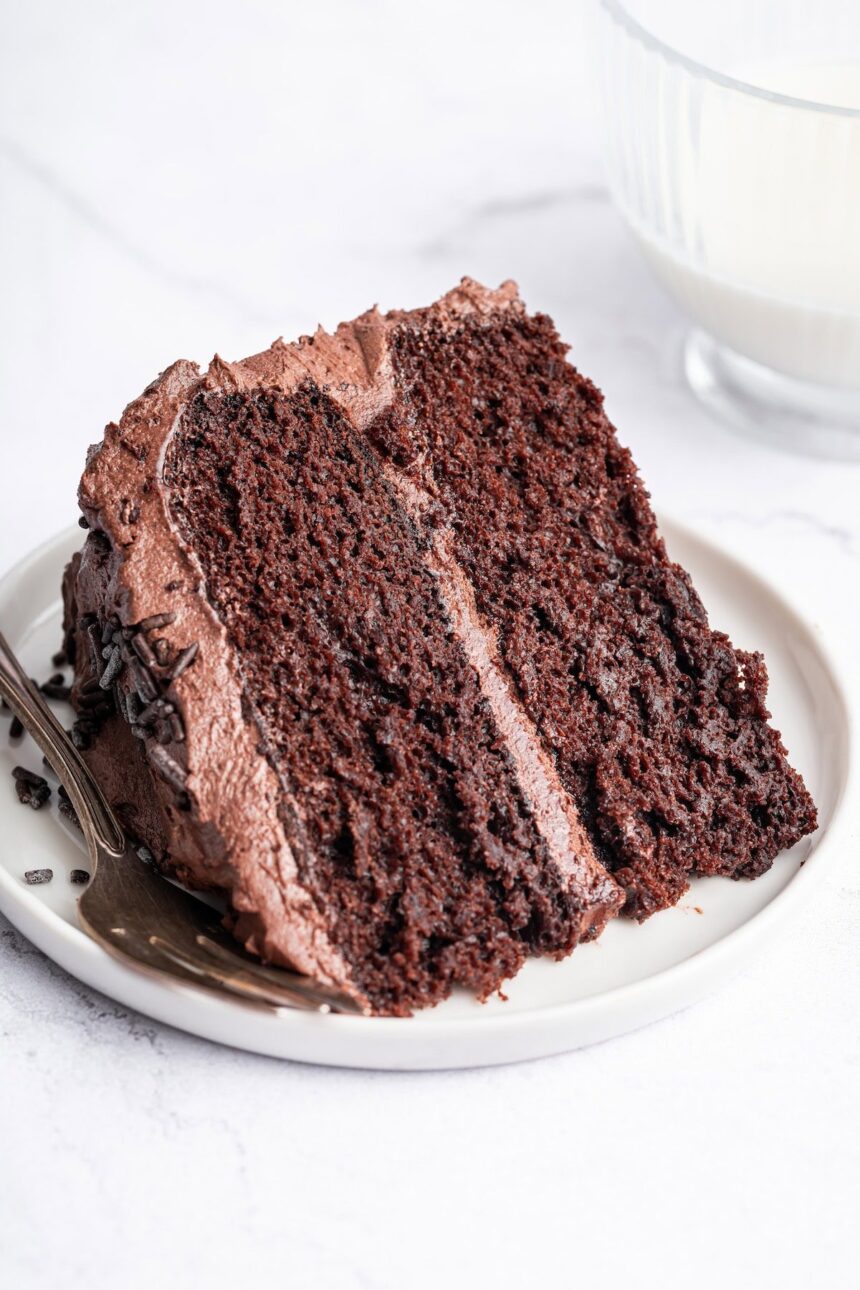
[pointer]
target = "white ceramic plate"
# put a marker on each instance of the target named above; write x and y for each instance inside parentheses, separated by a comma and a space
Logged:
(631, 976)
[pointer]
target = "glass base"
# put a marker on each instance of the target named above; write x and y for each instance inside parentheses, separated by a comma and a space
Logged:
(797, 416)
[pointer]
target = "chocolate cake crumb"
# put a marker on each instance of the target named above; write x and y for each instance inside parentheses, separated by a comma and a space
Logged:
(32, 790)
(83, 522)
(29, 776)
(37, 877)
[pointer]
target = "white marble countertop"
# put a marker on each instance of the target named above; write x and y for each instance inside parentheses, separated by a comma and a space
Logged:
(184, 177)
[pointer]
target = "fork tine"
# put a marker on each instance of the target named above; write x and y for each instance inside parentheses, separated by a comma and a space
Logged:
(242, 982)
(282, 978)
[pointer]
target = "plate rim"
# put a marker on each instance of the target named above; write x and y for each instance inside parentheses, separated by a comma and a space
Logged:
(652, 992)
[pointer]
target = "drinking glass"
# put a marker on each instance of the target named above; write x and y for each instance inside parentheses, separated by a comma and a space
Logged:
(733, 149)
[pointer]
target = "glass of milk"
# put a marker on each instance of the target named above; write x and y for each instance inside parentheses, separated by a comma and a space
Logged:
(733, 146)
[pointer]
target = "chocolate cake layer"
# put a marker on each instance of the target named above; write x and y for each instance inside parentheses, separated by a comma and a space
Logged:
(387, 647)
(412, 824)
(658, 727)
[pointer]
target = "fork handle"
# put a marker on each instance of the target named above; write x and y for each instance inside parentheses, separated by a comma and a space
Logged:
(99, 824)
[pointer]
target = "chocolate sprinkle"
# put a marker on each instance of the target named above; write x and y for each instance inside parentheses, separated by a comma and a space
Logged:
(176, 728)
(95, 639)
(29, 776)
(158, 708)
(167, 767)
(80, 736)
(68, 812)
(112, 670)
(56, 690)
(16, 728)
(37, 876)
(161, 650)
(120, 699)
(143, 682)
(143, 650)
(185, 659)
(79, 876)
(156, 620)
(66, 809)
(93, 702)
(59, 659)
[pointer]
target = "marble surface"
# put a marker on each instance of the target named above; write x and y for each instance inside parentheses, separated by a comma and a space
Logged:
(184, 177)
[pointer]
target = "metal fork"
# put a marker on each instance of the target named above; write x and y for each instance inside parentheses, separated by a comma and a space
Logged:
(132, 911)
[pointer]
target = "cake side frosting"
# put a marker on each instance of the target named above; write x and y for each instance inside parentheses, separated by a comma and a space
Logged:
(218, 809)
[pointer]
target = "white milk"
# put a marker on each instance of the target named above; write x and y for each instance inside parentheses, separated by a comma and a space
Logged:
(769, 202)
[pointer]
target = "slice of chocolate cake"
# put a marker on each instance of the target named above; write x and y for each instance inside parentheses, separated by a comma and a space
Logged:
(376, 634)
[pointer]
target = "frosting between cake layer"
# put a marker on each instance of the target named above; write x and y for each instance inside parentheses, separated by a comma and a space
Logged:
(552, 808)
